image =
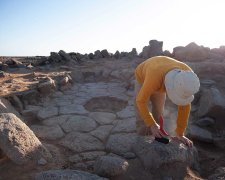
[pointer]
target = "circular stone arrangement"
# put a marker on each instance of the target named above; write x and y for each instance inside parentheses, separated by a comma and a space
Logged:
(105, 104)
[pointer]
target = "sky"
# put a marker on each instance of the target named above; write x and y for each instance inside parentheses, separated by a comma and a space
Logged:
(38, 27)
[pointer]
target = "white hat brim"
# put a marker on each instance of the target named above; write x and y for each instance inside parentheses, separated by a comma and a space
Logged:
(178, 100)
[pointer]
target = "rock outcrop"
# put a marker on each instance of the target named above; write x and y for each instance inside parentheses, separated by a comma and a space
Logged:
(18, 142)
(164, 160)
(191, 52)
(153, 49)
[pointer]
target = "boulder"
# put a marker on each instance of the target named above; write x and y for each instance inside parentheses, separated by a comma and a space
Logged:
(191, 52)
(47, 86)
(154, 49)
(17, 103)
(167, 53)
(105, 53)
(18, 142)
(165, 160)
(91, 56)
(65, 56)
(67, 174)
(55, 57)
(219, 51)
(109, 166)
(30, 97)
(206, 121)
(133, 52)
(212, 104)
(121, 144)
(200, 134)
(6, 107)
(219, 174)
(117, 55)
(98, 54)
(13, 63)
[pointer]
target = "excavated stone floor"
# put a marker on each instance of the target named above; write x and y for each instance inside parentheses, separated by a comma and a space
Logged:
(91, 120)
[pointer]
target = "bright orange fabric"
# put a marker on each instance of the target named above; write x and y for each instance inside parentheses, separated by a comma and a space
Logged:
(150, 74)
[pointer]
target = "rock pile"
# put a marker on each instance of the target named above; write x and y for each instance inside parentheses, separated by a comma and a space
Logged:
(208, 123)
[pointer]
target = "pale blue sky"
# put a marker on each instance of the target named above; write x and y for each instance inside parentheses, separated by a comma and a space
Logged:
(37, 27)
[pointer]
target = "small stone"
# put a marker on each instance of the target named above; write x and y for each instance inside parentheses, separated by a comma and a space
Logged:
(42, 161)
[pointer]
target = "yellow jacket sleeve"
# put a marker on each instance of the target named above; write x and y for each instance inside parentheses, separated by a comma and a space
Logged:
(150, 85)
(182, 119)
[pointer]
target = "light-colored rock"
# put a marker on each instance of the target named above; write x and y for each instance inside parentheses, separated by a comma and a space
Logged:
(48, 132)
(121, 144)
(86, 156)
(78, 123)
(108, 166)
(72, 109)
(191, 52)
(47, 87)
(47, 112)
(102, 132)
(154, 49)
(125, 126)
(212, 104)
(164, 160)
(18, 142)
(200, 134)
(67, 174)
(103, 118)
(79, 142)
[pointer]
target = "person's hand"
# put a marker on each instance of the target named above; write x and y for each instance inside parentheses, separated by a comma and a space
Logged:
(185, 140)
(155, 129)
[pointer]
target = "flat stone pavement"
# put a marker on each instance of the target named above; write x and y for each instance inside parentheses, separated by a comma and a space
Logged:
(106, 125)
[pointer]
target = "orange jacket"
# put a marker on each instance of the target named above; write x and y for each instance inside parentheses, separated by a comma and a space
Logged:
(150, 74)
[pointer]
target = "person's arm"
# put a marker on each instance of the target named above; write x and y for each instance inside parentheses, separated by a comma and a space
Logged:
(182, 119)
(149, 86)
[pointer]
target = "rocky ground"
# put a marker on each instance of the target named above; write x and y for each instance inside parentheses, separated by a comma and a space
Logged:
(77, 121)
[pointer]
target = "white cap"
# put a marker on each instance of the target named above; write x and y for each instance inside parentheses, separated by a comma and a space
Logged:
(181, 86)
